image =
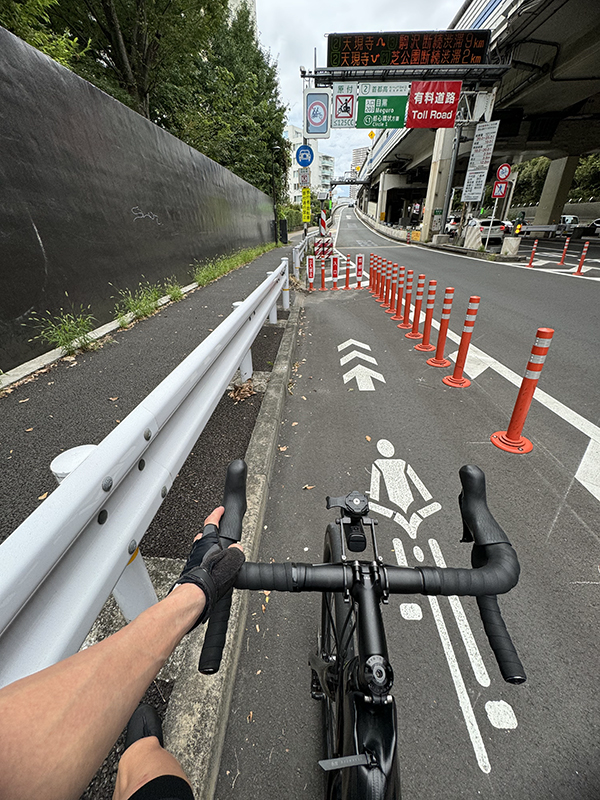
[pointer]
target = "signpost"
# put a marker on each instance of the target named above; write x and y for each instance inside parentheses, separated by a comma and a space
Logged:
(317, 112)
(479, 161)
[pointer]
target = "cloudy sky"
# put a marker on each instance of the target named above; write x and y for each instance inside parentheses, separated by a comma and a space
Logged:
(292, 31)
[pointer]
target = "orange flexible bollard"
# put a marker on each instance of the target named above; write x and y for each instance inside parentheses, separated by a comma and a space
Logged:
(424, 346)
(347, 284)
(407, 300)
(323, 287)
(391, 307)
(438, 359)
(414, 334)
(582, 259)
(400, 292)
(457, 379)
(512, 439)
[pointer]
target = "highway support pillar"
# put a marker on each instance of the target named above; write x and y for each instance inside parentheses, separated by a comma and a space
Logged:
(556, 190)
(438, 179)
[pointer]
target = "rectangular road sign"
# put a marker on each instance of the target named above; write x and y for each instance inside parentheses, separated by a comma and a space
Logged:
(408, 48)
(360, 260)
(382, 105)
(344, 105)
(304, 175)
(479, 161)
(433, 104)
(317, 113)
(306, 205)
(499, 190)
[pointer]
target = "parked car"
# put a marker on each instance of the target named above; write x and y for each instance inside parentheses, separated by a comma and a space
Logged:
(508, 227)
(452, 225)
(496, 227)
(570, 221)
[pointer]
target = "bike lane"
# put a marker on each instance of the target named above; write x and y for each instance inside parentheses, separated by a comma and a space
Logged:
(462, 731)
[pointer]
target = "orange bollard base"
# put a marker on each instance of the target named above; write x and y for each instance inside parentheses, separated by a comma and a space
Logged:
(425, 348)
(413, 335)
(456, 383)
(519, 446)
(404, 325)
(437, 362)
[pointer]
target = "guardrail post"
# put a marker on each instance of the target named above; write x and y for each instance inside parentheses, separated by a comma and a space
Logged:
(246, 368)
(273, 311)
(133, 591)
(285, 292)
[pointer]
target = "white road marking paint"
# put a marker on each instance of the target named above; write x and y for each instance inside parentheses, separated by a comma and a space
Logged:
(501, 714)
(349, 342)
(411, 525)
(377, 509)
(356, 354)
(427, 511)
(364, 377)
(411, 611)
(418, 553)
(461, 690)
(457, 678)
(421, 488)
(474, 365)
(399, 551)
(588, 472)
(479, 669)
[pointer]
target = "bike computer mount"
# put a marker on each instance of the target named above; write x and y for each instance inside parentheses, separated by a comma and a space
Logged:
(355, 508)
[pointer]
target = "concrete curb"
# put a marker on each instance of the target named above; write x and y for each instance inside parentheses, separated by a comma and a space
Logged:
(198, 709)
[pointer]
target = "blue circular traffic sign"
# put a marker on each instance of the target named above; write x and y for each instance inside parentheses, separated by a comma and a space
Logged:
(304, 155)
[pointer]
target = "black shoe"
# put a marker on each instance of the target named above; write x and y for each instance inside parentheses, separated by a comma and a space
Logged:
(144, 722)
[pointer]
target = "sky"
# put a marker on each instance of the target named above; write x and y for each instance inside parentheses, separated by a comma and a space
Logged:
(292, 31)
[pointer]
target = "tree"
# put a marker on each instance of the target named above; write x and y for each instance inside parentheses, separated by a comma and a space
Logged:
(136, 46)
(586, 182)
(31, 22)
(530, 183)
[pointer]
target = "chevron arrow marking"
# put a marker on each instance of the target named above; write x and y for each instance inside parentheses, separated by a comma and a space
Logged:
(356, 354)
(364, 377)
(352, 342)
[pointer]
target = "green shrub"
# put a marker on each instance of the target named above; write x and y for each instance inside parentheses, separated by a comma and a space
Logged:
(208, 271)
(141, 303)
(69, 330)
(173, 289)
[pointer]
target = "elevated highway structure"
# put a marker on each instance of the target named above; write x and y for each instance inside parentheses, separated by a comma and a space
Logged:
(546, 84)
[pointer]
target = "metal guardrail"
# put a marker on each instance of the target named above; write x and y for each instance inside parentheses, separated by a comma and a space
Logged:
(299, 252)
(59, 566)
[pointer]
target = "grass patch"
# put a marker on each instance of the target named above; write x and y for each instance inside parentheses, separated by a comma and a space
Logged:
(208, 271)
(67, 329)
(141, 303)
(173, 289)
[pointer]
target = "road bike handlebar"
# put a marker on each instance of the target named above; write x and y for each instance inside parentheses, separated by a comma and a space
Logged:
(495, 571)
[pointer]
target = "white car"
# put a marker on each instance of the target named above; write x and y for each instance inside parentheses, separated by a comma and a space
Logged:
(496, 228)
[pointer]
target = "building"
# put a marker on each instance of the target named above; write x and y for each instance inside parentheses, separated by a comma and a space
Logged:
(358, 159)
(321, 170)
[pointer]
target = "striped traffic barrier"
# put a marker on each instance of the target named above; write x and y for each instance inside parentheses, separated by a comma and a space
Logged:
(438, 359)
(311, 273)
(533, 249)
(377, 276)
(424, 346)
(582, 259)
(457, 379)
(391, 306)
(414, 334)
(323, 287)
(399, 293)
(407, 300)
(407, 237)
(335, 265)
(347, 284)
(360, 260)
(564, 252)
(511, 439)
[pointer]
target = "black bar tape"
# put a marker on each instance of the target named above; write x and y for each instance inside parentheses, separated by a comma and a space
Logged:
(500, 641)
(499, 575)
(234, 500)
(478, 523)
(280, 577)
(214, 639)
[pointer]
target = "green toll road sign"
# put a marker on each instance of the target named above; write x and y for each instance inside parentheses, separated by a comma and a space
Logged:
(382, 105)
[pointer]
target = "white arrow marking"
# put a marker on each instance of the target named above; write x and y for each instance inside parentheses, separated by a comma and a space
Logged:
(364, 377)
(354, 342)
(356, 354)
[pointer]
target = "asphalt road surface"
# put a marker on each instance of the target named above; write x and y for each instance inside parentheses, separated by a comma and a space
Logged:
(463, 732)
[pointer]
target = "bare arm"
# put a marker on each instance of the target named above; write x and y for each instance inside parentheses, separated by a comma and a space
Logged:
(57, 725)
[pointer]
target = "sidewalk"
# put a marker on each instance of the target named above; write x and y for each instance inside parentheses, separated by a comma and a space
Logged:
(80, 399)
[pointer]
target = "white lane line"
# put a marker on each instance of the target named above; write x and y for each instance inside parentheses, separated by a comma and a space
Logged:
(479, 669)
(457, 678)
(501, 715)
